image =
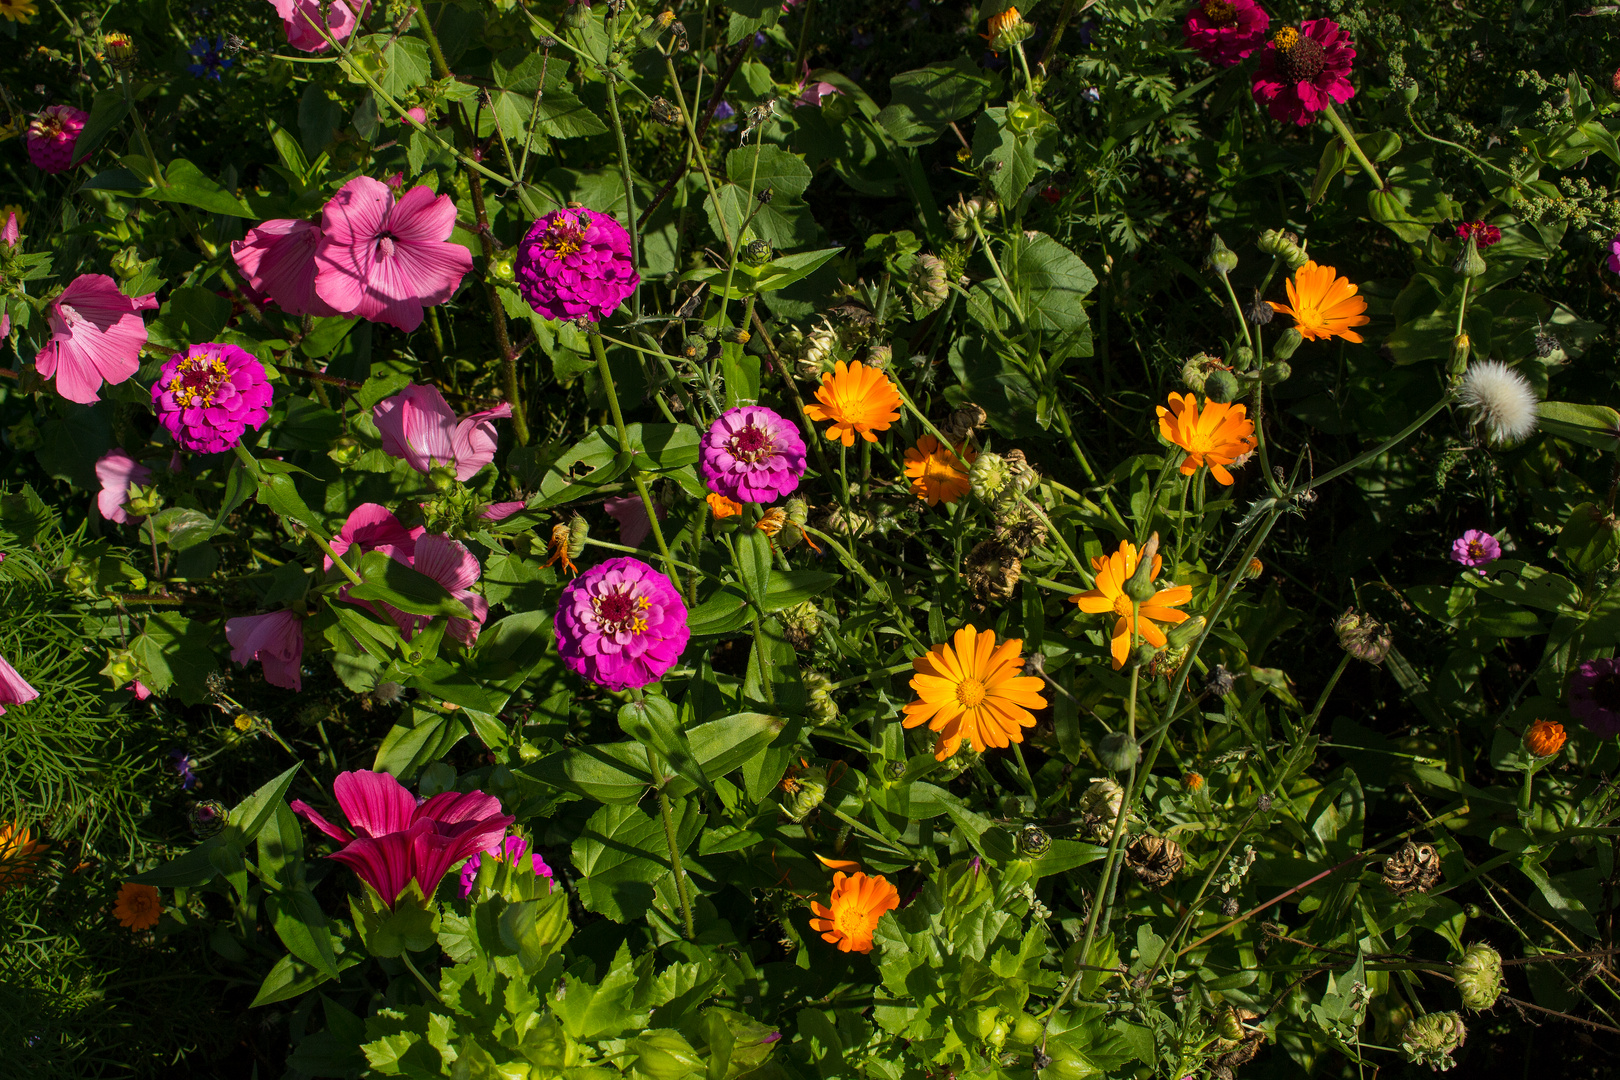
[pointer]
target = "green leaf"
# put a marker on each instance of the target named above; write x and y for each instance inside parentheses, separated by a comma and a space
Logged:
(622, 852)
(392, 582)
(754, 562)
(1589, 540)
(106, 113)
(1597, 426)
(405, 63)
(290, 978)
(536, 929)
(188, 185)
(926, 101)
(252, 813)
(298, 921)
(791, 587)
(724, 612)
(653, 722)
(418, 741)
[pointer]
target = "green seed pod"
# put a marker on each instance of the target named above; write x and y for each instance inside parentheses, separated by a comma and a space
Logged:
(756, 253)
(822, 708)
(1194, 375)
(143, 501)
(122, 668)
(1407, 87)
(1118, 751)
(1140, 586)
(1222, 259)
(346, 451)
(1033, 842)
(926, 283)
(1272, 374)
(1285, 345)
(801, 623)
(1186, 633)
(1478, 976)
(1469, 262)
(1222, 386)
(1229, 1026)
(666, 112)
(806, 794)
(1285, 245)
(500, 266)
(990, 476)
(579, 531)
(1099, 808)
(694, 346)
(1432, 1039)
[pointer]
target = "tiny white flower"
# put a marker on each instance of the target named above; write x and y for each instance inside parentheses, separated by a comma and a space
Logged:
(1500, 399)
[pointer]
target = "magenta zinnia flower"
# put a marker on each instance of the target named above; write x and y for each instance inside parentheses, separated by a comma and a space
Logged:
(209, 397)
(395, 841)
(1226, 31)
(575, 264)
(52, 135)
(96, 337)
(508, 851)
(388, 261)
(116, 471)
(621, 624)
(1302, 71)
(752, 455)
(1475, 548)
(1614, 254)
(276, 640)
(14, 689)
(1594, 696)
(302, 21)
(419, 426)
(278, 259)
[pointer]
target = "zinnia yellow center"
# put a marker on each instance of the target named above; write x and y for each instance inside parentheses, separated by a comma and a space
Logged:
(970, 692)
(1220, 12)
(564, 238)
(197, 380)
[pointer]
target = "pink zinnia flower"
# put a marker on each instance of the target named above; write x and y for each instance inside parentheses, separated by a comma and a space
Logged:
(1594, 696)
(419, 426)
(52, 135)
(276, 640)
(1302, 71)
(302, 21)
(14, 689)
(1226, 31)
(621, 624)
(575, 264)
(388, 261)
(209, 397)
(631, 514)
(752, 454)
(395, 841)
(375, 528)
(96, 337)
(278, 259)
(116, 471)
(1484, 235)
(1614, 254)
(507, 851)
(1475, 548)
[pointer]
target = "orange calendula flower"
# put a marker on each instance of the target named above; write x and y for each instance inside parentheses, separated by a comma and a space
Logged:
(858, 400)
(853, 910)
(1545, 738)
(1216, 437)
(1113, 571)
(1193, 782)
(722, 507)
(1323, 304)
(837, 864)
(939, 475)
(559, 549)
(138, 906)
(974, 691)
(19, 854)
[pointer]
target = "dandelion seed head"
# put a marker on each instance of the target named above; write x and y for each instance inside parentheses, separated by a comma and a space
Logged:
(1500, 399)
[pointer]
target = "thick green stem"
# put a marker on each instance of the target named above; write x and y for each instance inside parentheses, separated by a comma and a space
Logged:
(995, 265)
(1353, 146)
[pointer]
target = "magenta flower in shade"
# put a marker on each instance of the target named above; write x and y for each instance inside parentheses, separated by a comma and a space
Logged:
(375, 528)
(1475, 548)
(209, 397)
(52, 136)
(1614, 254)
(1484, 235)
(302, 20)
(275, 640)
(1594, 696)
(420, 427)
(631, 514)
(1302, 71)
(278, 259)
(752, 455)
(96, 337)
(1226, 31)
(621, 624)
(509, 851)
(575, 264)
(388, 261)
(394, 840)
(116, 471)
(11, 234)
(449, 563)
(14, 689)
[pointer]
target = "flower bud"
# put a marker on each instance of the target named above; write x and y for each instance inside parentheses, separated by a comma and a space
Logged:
(734, 336)
(25, 435)
(1193, 783)
(1286, 343)
(1363, 637)
(1279, 372)
(1033, 842)
(961, 217)
(1431, 1039)
(1222, 259)
(1284, 245)
(1186, 633)
(143, 501)
(119, 48)
(1229, 1025)
(1478, 976)
(1469, 261)
(805, 794)
(990, 476)
(1544, 738)
(1008, 29)
(1140, 586)
(1118, 751)
(579, 531)
(1194, 375)
(346, 451)
(756, 253)
(1222, 386)
(801, 623)
(1099, 808)
(926, 283)
(1242, 358)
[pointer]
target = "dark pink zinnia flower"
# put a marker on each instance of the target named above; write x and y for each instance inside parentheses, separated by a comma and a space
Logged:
(276, 640)
(96, 337)
(278, 259)
(575, 264)
(1226, 31)
(621, 624)
(14, 689)
(52, 136)
(116, 471)
(1594, 696)
(508, 851)
(209, 397)
(1475, 548)
(418, 425)
(395, 841)
(751, 454)
(1484, 235)
(1302, 71)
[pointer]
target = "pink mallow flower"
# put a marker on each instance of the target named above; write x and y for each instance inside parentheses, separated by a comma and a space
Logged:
(276, 640)
(418, 426)
(278, 259)
(508, 851)
(96, 337)
(1475, 548)
(52, 136)
(209, 397)
(1226, 31)
(575, 264)
(621, 624)
(631, 514)
(14, 689)
(375, 528)
(449, 563)
(116, 471)
(1614, 255)
(1303, 71)
(302, 20)
(394, 840)
(388, 261)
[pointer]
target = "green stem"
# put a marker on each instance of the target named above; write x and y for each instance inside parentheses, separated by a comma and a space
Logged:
(612, 79)
(1383, 447)
(1354, 146)
(675, 864)
(503, 342)
(1333, 680)
(1237, 309)
(405, 956)
(657, 526)
(996, 266)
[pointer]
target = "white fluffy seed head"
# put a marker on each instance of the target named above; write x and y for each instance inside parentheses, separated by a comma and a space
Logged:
(1500, 399)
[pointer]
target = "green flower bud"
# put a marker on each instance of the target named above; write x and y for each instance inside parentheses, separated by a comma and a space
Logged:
(805, 793)
(821, 706)
(500, 266)
(346, 451)
(1194, 376)
(665, 1055)
(1222, 386)
(1242, 358)
(1229, 1025)
(756, 253)
(1272, 374)
(990, 476)
(25, 435)
(1008, 29)
(926, 283)
(1118, 751)
(1186, 633)
(443, 479)
(1033, 842)
(1285, 345)
(143, 501)
(1478, 976)
(1432, 1039)
(1099, 808)
(1222, 259)
(122, 668)
(1469, 261)
(1140, 586)
(961, 217)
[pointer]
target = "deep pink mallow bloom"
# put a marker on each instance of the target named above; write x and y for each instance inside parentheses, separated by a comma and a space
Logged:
(418, 425)
(375, 528)
(278, 259)
(1302, 71)
(449, 563)
(116, 471)
(621, 624)
(1594, 696)
(751, 454)
(302, 21)
(1226, 31)
(14, 689)
(394, 840)
(575, 264)
(508, 851)
(209, 397)
(11, 234)
(276, 640)
(52, 136)
(631, 514)
(387, 261)
(1614, 254)
(501, 511)
(1475, 548)
(96, 337)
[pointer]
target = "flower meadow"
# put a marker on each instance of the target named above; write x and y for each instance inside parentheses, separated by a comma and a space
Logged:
(810, 540)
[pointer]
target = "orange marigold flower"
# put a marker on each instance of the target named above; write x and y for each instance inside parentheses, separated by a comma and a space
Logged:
(1217, 437)
(722, 507)
(939, 475)
(858, 400)
(1545, 738)
(19, 854)
(852, 912)
(1323, 304)
(559, 549)
(138, 906)
(973, 691)
(1113, 571)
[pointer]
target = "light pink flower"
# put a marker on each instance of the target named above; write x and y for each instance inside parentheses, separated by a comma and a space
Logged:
(418, 114)
(500, 511)
(631, 514)
(11, 235)
(302, 21)
(276, 639)
(14, 689)
(449, 563)
(139, 689)
(96, 337)
(387, 261)
(117, 471)
(418, 425)
(278, 259)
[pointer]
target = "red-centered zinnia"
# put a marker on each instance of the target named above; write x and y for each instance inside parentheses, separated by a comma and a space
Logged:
(1216, 437)
(974, 691)
(1323, 304)
(858, 400)
(1113, 571)
(852, 912)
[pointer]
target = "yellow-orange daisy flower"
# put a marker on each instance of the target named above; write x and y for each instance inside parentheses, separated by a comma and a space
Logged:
(939, 475)
(973, 691)
(1113, 571)
(852, 912)
(18, 11)
(858, 400)
(722, 507)
(138, 906)
(1323, 304)
(1216, 437)
(19, 853)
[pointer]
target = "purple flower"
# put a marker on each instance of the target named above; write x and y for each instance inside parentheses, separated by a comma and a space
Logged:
(183, 763)
(1226, 31)
(1614, 254)
(631, 514)
(209, 397)
(575, 264)
(1302, 71)
(52, 137)
(621, 624)
(209, 63)
(512, 848)
(1475, 548)
(752, 455)
(1594, 696)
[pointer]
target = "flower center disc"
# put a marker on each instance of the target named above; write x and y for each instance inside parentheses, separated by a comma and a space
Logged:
(564, 238)
(970, 692)
(1476, 550)
(621, 611)
(197, 381)
(385, 246)
(1299, 58)
(750, 444)
(1220, 13)
(1122, 605)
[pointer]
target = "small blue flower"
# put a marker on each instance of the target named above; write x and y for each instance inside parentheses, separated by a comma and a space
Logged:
(210, 61)
(723, 113)
(183, 763)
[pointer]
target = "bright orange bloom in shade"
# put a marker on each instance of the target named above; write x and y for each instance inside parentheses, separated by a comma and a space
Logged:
(138, 906)
(560, 541)
(722, 507)
(939, 475)
(19, 854)
(973, 691)
(1113, 571)
(858, 400)
(1545, 738)
(853, 911)
(1218, 436)
(1323, 305)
